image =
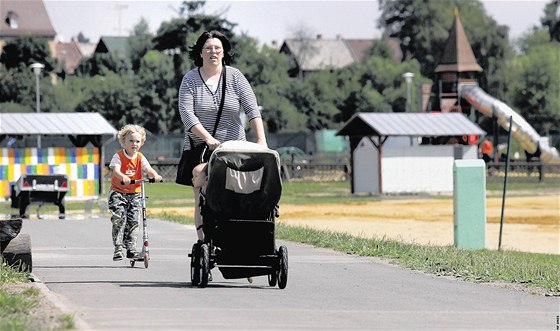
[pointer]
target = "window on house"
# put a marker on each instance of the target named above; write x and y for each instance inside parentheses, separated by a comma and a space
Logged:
(12, 20)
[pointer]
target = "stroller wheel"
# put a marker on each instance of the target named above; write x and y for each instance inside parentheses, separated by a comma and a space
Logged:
(146, 258)
(204, 265)
(283, 267)
(132, 262)
(273, 278)
(195, 265)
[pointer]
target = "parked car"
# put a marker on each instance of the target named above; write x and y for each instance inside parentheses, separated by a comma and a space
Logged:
(293, 155)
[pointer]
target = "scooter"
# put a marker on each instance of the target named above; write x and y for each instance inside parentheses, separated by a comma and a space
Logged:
(145, 254)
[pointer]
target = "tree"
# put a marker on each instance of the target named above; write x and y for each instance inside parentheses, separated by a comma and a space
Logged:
(157, 94)
(551, 19)
(317, 98)
(81, 38)
(18, 86)
(532, 39)
(382, 48)
(376, 86)
(266, 70)
(66, 95)
(25, 50)
(139, 43)
(102, 64)
(176, 36)
(535, 87)
(113, 96)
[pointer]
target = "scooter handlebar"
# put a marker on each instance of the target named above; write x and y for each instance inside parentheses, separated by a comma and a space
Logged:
(145, 180)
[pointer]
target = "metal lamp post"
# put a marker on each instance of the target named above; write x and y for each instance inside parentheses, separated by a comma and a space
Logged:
(408, 78)
(37, 68)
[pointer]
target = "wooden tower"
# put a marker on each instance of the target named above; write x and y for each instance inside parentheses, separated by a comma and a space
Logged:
(457, 66)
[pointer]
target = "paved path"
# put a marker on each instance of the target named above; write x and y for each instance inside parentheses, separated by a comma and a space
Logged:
(326, 290)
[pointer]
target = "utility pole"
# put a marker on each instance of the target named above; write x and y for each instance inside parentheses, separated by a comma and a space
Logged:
(120, 8)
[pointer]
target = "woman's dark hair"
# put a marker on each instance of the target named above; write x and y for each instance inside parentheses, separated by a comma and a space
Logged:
(196, 49)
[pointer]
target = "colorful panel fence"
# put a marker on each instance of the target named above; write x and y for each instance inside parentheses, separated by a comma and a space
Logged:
(80, 164)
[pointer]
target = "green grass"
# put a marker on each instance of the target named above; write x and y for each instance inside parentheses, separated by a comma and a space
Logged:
(17, 306)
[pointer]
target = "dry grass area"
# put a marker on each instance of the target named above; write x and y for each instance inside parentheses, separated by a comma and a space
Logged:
(531, 224)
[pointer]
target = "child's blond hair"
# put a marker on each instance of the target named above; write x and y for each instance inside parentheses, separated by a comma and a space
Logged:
(131, 128)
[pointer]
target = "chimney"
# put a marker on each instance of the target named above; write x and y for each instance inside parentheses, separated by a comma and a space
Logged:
(319, 36)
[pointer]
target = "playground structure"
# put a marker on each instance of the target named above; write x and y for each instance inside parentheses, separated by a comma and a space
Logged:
(457, 87)
(521, 130)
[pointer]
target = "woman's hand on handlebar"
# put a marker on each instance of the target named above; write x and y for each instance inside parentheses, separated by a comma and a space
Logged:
(212, 143)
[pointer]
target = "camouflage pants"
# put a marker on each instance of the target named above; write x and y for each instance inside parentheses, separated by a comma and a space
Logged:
(125, 211)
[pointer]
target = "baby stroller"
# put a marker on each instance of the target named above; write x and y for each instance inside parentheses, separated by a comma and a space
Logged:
(238, 208)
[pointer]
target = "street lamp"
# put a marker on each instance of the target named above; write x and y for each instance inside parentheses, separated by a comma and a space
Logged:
(408, 78)
(37, 68)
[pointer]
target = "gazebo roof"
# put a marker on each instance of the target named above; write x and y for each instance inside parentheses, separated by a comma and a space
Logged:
(84, 124)
(409, 124)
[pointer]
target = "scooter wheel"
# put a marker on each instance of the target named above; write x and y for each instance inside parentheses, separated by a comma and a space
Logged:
(146, 258)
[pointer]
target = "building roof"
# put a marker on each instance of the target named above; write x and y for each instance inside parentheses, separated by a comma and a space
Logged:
(318, 54)
(88, 124)
(360, 48)
(68, 56)
(22, 17)
(409, 124)
(458, 55)
(86, 49)
(328, 54)
(112, 45)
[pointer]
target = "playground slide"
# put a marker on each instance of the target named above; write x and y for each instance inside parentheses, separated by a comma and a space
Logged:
(521, 130)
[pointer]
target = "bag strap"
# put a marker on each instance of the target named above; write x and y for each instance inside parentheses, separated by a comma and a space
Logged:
(218, 116)
(220, 109)
(221, 101)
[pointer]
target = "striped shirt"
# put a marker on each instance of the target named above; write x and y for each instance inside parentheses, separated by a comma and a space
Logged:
(199, 105)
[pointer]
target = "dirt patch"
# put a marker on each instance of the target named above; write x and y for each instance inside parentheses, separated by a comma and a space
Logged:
(531, 224)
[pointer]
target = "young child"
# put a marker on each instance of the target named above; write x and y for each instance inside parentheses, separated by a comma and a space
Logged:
(125, 202)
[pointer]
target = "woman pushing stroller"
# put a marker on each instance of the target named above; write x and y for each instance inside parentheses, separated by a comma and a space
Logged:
(211, 98)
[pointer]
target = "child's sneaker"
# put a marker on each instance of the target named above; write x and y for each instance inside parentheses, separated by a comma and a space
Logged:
(131, 254)
(118, 255)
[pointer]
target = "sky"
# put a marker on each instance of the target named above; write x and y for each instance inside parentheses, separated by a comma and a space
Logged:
(265, 20)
